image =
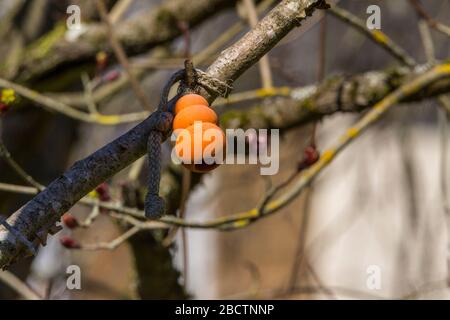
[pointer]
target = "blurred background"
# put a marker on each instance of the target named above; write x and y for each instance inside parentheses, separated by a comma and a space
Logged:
(379, 206)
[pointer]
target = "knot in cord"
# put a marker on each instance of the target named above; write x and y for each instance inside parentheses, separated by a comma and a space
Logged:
(214, 85)
(189, 79)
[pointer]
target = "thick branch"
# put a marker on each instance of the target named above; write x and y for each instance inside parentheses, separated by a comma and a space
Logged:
(412, 88)
(335, 94)
(137, 34)
(268, 32)
(39, 215)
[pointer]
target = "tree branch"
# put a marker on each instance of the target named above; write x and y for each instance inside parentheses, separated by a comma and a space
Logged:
(137, 34)
(36, 218)
(298, 106)
(18, 286)
(375, 35)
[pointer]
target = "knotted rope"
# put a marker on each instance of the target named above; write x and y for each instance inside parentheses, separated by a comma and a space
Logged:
(189, 78)
(216, 86)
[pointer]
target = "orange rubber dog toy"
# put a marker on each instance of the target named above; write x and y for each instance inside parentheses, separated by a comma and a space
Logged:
(195, 124)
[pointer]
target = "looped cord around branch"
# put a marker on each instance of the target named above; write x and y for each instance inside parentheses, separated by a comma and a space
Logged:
(189, 78)
(214, 85)
(154, 204)
(200, 78)
(164, 101)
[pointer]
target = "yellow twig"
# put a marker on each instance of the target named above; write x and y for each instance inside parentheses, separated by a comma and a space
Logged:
(264, 63)
(243, 219)
(119, 51)
(376, 36)
(57, 106)
(18, 285)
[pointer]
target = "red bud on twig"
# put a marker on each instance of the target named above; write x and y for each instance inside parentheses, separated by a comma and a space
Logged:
(69, 243)
(310, 156)
(103, 192)
(70, 221)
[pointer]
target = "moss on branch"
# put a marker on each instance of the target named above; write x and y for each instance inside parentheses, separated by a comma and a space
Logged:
(335, 94)
(137, 34)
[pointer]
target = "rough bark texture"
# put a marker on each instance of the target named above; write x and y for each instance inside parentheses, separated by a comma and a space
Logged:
(250, 48)
(335, 94)
(41, 213)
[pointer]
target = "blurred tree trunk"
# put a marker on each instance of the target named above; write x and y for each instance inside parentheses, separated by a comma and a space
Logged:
(156, 276)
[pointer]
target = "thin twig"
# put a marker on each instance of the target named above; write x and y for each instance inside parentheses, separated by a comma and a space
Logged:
(168, 240)
(143, 225)
(4, 153)
(67, 190)
(137, 34)
(430, 21)
(304, 290)
(136, 169)
(427, 41)
(121, 56)
(60, 107)
(299, 255)
(93, 215)
(445, 148)
(375, 35)
(119, 9)
(87, 201)
(17, 189)
(140, 65)
(444, 120)
(243, 219)
(18, 286)
(264, 63)
(87, 85)
(112, 245)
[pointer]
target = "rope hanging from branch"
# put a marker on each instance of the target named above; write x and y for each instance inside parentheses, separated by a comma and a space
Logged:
(190, 79)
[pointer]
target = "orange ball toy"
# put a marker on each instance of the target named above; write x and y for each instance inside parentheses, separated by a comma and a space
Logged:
(187, 116)
(198, 145)
(199, 139)
(190, 100)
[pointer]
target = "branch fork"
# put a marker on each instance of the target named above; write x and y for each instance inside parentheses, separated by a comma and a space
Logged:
(48, 206)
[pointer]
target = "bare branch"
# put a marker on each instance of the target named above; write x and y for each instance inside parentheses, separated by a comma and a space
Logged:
(444, 29)
(293, 107)
(4, 153)
(119, 9)
(58, 106)
(18, 285)
(157, 22)
(375, 35)
(243, 219)
(122, 56)
(140, 65)
(38, 216)
(112, 245)
(264, 63)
